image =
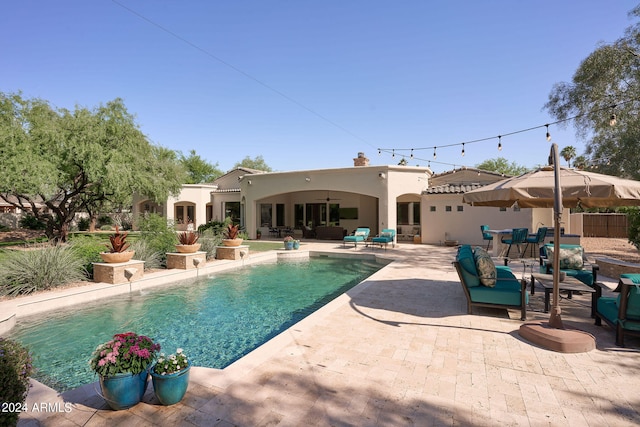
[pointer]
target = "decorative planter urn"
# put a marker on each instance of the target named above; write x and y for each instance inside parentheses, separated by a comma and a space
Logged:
(116, 257)
(122, 391)
(231, 242)
(170, 388)
(188, 249)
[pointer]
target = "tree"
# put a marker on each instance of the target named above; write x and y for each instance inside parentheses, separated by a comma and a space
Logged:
(606, 86)
(57, 162)
(568, 153)
(198, 169)
(502, 165)
(257, 163)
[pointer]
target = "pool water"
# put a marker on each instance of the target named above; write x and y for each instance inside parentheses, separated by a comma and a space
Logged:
(216, 320)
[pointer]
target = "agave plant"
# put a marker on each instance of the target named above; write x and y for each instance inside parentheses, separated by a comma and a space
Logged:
(231, 232)
(188, 238)
(118, 242)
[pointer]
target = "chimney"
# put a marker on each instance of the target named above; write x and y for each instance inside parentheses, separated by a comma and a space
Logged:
(361, 160)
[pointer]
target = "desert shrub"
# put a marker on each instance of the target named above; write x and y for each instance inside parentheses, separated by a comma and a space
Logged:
(152, 259)
(83, 224)
(15, 370)
(4, 228)
(88, 250)
(38, 268)
(104, 220)
(159, 235)
(106, 228)
(633, 223)
(32, 223)
(217, 227)
(208, 242)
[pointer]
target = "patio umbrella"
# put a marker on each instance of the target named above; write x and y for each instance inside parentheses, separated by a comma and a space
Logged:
(557, 187)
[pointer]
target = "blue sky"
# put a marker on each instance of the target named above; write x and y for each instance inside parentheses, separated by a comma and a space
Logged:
(309, 84)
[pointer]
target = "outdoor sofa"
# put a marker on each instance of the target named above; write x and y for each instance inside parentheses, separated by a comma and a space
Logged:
(572, 262)
(621, 312)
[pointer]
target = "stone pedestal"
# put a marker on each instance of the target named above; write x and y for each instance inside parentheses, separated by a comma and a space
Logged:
(115, 273)
(185, 261)
(232, 252)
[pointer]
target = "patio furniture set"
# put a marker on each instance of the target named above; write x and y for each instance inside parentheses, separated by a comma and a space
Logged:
(487, 285)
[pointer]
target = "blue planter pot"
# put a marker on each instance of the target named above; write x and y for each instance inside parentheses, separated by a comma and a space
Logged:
(296, 244)
(170, 389)
(288, 246)
(122, 391)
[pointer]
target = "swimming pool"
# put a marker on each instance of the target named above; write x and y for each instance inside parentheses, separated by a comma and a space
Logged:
(216, 320)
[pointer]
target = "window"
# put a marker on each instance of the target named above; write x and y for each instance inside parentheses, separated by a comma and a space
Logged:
(503, 209)
(460, 209)
(280, 215)
(265, 214)
(432, 208)
(232, 210)
(447, 208)
(403, 213)
(298, 215)
(416, 213)
(334, 214)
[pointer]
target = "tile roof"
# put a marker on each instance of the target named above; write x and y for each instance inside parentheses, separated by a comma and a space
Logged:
(451, 188)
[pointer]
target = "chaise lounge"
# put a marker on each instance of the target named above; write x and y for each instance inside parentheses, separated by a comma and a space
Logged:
(386, 236)
(360, 235)
(484, 285)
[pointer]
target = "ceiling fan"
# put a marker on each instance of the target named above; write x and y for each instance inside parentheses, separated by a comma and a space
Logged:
(328, 199)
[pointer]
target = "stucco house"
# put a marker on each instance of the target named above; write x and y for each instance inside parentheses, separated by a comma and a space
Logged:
(421, 206)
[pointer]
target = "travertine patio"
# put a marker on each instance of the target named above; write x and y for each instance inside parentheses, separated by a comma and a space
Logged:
(397, 350)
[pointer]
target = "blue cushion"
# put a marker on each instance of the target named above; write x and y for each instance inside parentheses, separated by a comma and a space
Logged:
(608, 308)
(505, 292)
(468, 266)
(633, 303)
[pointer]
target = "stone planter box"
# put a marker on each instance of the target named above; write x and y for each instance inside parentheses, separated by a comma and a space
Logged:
(184, 261)
(114, 272)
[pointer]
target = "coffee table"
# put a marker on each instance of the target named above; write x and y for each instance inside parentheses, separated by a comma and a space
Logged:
(569, 284)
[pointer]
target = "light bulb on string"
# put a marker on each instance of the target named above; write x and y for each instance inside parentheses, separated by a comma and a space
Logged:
(434, 153)
(411, 156)
(499, 143)
(548, 134)
(463, 149)
(379, 151)
(393, 154)
(613, 120)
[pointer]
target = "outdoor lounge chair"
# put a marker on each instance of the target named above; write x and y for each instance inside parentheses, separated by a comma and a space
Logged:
(503, 289)
(622, 313)
(572, 262)
(386, 236)
(360, 235)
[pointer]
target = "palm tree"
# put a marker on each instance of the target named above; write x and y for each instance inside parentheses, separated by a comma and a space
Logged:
(568, 153)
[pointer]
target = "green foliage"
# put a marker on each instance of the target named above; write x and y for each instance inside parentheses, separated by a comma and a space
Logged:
(257, 163)
(104, 220)
(568, 153)
(606, 83)
(158, 234)
(209, 240)
(4, 228)
(502, 165)
(78, 161)
(633, 223)
(39, 268)
(15, 370)
(152, 259)
(88, 250)
(172, 363)
(198, 169)
(32, 223)
(216, 226)
(83, 224)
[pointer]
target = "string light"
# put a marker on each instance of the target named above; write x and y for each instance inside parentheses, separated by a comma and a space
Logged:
(434, 153)
(613, 120)
(411, 157)
(548, 134)
(463, 149)
(393, 154)
(499, 142)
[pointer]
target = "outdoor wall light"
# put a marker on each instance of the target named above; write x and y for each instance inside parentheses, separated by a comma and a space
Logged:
(249, 182)
(307, 179)
(381, 175)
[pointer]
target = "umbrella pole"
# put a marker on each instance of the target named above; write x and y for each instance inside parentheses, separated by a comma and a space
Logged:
(555, 319)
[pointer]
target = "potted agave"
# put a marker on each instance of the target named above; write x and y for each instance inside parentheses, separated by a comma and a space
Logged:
(117, 248)
(170, 377)
(123, 364)
(188, 242)
(230, 237)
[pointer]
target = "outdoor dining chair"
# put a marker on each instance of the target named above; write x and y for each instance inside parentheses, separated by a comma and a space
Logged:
(535, 240)
(518, 237)
(485, 235)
